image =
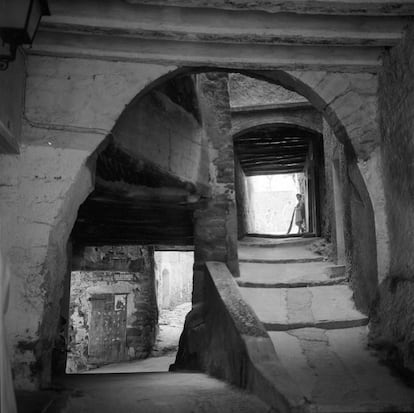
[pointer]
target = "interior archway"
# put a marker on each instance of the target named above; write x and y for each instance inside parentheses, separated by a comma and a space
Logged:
(125, 174)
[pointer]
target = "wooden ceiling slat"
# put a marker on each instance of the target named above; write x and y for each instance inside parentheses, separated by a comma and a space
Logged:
(284, 164)
(274, 172)
(275, 158)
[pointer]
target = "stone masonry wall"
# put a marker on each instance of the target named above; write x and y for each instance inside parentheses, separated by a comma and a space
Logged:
(122, 270)
(393, 321)
(247, 91)
(215, 224)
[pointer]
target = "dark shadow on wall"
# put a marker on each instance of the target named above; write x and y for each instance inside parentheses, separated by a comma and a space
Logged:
(349, 220)
(360, 238)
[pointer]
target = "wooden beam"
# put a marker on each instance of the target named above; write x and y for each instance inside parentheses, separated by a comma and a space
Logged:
(270, 162)
(266, 167)
(270, 159)
(270, 148)
(271, 171)
(270, 138)
(251, 152)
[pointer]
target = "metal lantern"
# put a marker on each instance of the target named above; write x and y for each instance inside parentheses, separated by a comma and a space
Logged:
(19, 20)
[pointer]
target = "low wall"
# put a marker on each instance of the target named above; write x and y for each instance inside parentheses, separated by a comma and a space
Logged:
(223, 337)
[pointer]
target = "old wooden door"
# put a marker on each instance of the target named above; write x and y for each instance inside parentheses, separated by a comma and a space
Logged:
(107, 328)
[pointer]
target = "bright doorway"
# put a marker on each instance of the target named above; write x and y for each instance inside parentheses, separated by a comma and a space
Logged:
(272, 201)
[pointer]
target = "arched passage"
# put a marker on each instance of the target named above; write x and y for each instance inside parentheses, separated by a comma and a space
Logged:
(65, 128)
(278, 149)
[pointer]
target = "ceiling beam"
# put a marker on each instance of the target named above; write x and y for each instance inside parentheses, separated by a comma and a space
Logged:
(275, 159)
(270, 153)
(220, 26)
(207, 54)
(274, 171)
(242, 149)
(341, 7)
(266, 166)
(284, 161)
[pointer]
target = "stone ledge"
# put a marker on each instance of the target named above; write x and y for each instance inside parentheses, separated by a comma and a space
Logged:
(264, 374)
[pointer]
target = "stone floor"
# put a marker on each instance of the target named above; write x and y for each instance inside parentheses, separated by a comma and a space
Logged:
(143, 393)
(318, 334)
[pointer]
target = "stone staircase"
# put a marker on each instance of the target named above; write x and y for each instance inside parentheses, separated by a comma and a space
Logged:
(306, 306)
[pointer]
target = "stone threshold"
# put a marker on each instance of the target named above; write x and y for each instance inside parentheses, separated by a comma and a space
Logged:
(282, 260)
(325, 324)
(292, 284)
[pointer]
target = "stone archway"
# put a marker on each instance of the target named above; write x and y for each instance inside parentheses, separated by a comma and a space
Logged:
(59, 139)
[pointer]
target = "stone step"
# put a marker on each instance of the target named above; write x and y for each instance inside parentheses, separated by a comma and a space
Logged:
(260, 242)
(281, 309)
(291, 254)
(277, 275)
(293, 284)
(335, 371)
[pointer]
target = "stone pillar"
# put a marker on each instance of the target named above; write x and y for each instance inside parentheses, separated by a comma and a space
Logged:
(215, 236)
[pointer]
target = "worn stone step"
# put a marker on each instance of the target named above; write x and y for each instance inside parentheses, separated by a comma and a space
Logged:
(337, 373)
(291, 254)
(293, 284)
(261, 242)
(278, 275)
(281, 309)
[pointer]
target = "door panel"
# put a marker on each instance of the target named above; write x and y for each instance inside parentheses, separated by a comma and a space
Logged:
(107, 329)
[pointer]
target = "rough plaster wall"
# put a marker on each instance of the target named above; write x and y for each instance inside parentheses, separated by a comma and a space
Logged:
(142, 313)
(84, 92)
(364, 277)
(70, 106)
(247, 91)
(162, 132)
(393, 321)
(40, 191)
(358, 221)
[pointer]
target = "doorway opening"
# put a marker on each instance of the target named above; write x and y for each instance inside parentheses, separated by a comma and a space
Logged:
(127, 308)
(272, 201)
(174, 286)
